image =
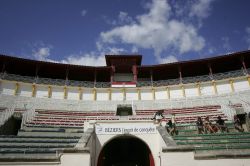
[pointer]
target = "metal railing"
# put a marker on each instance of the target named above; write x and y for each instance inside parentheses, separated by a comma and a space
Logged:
(91, 84)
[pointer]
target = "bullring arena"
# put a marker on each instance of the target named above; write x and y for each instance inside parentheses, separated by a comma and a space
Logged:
(61, 114)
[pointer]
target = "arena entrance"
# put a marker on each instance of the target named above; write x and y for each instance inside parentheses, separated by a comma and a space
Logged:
(125, 151)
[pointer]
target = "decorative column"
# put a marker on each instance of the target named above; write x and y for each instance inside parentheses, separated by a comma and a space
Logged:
(151, 77)
(248, 79)
(112, 74)
(244, 65)
(94, 94)
(215, 87)
(80, 91)
(153, 93)
(183, 91)
(210, 71)
(135, 72)
(16, 89)
(65, 90)
(232, 85)
(49, 91)
(180, 75)
(198, 88)
(109, 93)
(33, 90)
(139, 93)
(124, 93)
(95, 78)
(168, 92)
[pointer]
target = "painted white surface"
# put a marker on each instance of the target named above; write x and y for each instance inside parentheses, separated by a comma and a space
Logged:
(57, 92)
(187, 159)
(223, 87)
(25, 90)
(88, 94)
(131, 94)
(176, 92)
(73, 94)
(146, 94)
(152, 140)
(102, 95)
(161, 94)
(241, 85)
(117, 95)
(42, 91)
(8, 88)
(207, 89)
(191, 91)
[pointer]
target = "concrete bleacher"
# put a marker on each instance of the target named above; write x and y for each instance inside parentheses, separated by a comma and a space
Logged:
(43, 142)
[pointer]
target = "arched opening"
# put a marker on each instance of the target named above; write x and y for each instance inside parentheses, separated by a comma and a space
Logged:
(125, 151)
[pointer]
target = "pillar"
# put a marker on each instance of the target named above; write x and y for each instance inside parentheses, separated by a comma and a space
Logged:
(33, 90)
(65, 90)
(16, 89)
(49, 91)
(168, 92)
(183, 91)
(153, 93)
(80, 91)
(94, 94)
(139, 93)
(215, 87)
(198, 88)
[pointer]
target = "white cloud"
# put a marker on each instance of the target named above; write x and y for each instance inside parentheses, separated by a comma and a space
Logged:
(84, 12)
(168, 59)
(41, 53)
(248, 37)
(85, 59)
(201, 9)
(95, 58)
(155, 30)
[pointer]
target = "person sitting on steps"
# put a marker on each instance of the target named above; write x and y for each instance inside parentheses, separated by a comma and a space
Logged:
(220, 124)
(208, 125)
(238, 124)
(200, 126)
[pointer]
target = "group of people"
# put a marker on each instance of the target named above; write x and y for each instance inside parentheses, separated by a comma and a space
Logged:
(203, 126)
(207, 126)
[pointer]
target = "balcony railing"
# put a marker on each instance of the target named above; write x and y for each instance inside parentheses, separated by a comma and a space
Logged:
(91, 84)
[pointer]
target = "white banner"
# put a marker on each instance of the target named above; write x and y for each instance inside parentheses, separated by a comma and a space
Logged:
(124, 129)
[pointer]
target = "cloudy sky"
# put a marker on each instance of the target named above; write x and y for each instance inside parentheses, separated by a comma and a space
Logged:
(83, 31)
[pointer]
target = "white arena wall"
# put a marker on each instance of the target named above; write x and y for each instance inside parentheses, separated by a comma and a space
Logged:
(180, 91)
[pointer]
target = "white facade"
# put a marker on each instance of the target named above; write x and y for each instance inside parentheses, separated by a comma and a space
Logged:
(125, 94)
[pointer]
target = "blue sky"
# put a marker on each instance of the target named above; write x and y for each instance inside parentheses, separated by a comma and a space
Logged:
(83, 31)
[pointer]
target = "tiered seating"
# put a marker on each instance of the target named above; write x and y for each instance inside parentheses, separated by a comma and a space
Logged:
(186, 115)
(215, 145)
(68, 119)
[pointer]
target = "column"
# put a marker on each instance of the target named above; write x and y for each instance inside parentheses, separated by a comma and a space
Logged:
(124, 93)
(134, 70)
(65, 90)
(139, 93)
(49, 91)
(94, 94)
(33, 90)
(16, 89)
(80, 91)
(110, 94)
(153, 93)
(168, 92)
(198, 88)
(215, 87)
(248, 79)
(183, 91)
